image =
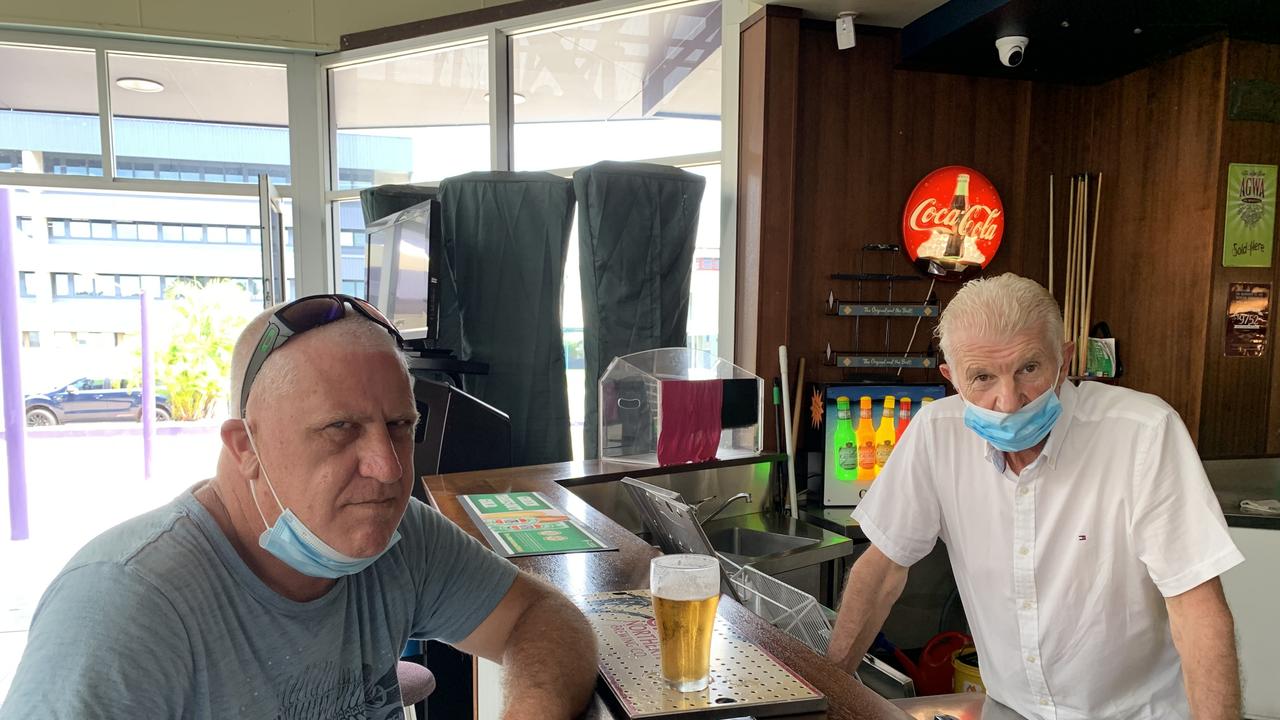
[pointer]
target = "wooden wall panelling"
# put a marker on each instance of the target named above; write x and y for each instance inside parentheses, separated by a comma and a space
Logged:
(1154, 134)
(766, 189)
(1156, 138)
(1062, 118)
(859, 134)
(868, 134)
(842, 199)
(1240, 401)
(983, 123)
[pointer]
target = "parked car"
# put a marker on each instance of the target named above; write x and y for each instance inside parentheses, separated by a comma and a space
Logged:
(91, 399)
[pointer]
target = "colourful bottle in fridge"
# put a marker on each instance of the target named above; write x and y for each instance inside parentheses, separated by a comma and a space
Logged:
(844, 443)
(866, 441)
(904, 415)
(886, 435)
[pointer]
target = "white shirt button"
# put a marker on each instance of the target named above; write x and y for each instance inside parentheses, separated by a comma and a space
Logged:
(1031, 658)
(1027, 605)
(1024, 490)
(1023, 550)
(1044, 701)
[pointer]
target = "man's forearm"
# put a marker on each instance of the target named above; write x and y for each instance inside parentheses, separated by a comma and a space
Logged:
(1204, 633)
(874, 585)
(549, 668)
(1212, 678)
(1211, 674)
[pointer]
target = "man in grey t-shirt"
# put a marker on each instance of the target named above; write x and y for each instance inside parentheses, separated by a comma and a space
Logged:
(287, 585)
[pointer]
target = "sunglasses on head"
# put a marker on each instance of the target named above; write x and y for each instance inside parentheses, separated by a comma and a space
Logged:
(299, 316)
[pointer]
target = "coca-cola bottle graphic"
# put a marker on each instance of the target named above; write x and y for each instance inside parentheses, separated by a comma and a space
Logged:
(959, 203)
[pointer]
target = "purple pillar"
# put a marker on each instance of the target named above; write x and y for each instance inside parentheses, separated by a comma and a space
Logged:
(148, 393)
(15, 421)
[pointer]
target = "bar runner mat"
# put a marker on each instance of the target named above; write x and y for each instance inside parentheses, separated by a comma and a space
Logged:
(521, 524)
(744, 678)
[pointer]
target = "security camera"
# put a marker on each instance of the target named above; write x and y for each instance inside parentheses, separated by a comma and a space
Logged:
(1011, 49)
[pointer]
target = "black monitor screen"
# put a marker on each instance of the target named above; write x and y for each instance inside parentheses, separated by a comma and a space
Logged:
(400, 279)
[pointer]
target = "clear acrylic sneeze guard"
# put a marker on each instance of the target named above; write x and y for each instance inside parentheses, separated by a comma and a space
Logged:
(671, 390)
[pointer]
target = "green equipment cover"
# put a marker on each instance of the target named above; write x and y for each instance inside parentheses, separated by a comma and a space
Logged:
(636, 228)
(505, 237)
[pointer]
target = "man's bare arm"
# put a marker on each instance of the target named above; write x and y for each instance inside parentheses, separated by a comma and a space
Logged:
(1204, 633)
(546, 647)
(875, 582)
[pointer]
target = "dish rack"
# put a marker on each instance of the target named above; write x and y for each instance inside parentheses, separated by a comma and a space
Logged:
(793, 611)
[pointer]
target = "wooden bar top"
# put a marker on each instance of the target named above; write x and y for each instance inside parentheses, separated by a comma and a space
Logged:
(628, 569)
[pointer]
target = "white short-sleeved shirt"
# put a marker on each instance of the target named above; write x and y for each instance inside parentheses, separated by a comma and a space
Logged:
(1063, 570)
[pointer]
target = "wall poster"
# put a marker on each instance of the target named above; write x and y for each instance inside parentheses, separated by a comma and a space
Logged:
(1251, 215)
(1248, 307)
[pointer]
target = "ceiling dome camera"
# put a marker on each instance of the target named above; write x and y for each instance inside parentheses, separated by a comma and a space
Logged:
(1011, 49)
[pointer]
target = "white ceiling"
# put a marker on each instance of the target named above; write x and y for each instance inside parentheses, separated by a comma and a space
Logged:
(886, 13)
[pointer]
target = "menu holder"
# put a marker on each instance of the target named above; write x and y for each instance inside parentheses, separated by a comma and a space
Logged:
(745, 680)
(520, 524)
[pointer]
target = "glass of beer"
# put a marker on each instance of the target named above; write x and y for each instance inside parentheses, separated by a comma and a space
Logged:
(685, 591)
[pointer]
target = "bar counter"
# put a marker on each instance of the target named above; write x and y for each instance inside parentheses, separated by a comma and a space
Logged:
(628, 569)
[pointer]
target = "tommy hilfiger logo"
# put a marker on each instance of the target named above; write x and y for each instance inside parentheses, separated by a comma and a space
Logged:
(1082, 537)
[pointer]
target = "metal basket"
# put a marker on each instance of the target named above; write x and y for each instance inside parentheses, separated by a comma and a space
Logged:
(793, 611)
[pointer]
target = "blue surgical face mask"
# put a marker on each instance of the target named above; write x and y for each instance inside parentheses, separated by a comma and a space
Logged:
(1019, 430)
(294, 544)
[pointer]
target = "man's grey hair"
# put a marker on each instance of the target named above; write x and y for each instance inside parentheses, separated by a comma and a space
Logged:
(998, 308)
(276, 377)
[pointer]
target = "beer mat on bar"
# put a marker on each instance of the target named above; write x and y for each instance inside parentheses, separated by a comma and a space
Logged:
(744, 678)
(520, 524)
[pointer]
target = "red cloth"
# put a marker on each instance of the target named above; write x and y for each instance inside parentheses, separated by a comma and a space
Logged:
(690, 421)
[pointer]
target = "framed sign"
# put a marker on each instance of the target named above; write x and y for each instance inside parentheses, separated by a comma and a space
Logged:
(1251, 215)
(952, 223)
(1248, 310)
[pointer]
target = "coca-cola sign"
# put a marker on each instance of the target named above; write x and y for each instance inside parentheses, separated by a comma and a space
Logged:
(953, 223)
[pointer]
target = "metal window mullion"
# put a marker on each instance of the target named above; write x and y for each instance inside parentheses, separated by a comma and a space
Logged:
(104, 114)
(501, 118)
(312, 167)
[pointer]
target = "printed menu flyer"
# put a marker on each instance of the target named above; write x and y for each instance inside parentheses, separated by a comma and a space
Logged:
(523, 523)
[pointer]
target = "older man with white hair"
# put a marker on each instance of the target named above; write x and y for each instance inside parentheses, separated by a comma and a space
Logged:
(287, 585)
(1084, 537)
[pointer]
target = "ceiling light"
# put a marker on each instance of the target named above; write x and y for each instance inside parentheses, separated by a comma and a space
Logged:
(141, 85)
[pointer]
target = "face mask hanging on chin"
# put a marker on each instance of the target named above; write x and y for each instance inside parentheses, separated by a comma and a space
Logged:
(1018, 430)
(294, 544)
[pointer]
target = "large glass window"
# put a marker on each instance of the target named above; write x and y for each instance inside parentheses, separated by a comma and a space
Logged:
(412, 118)
(642, 85)
(351, 246)
(199, 120)
(86, 256)
(48, 109)
(645, 85)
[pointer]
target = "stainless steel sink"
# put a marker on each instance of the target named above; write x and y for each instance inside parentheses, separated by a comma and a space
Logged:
(749, 543)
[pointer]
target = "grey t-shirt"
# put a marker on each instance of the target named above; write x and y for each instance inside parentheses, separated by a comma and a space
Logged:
(160, 618)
